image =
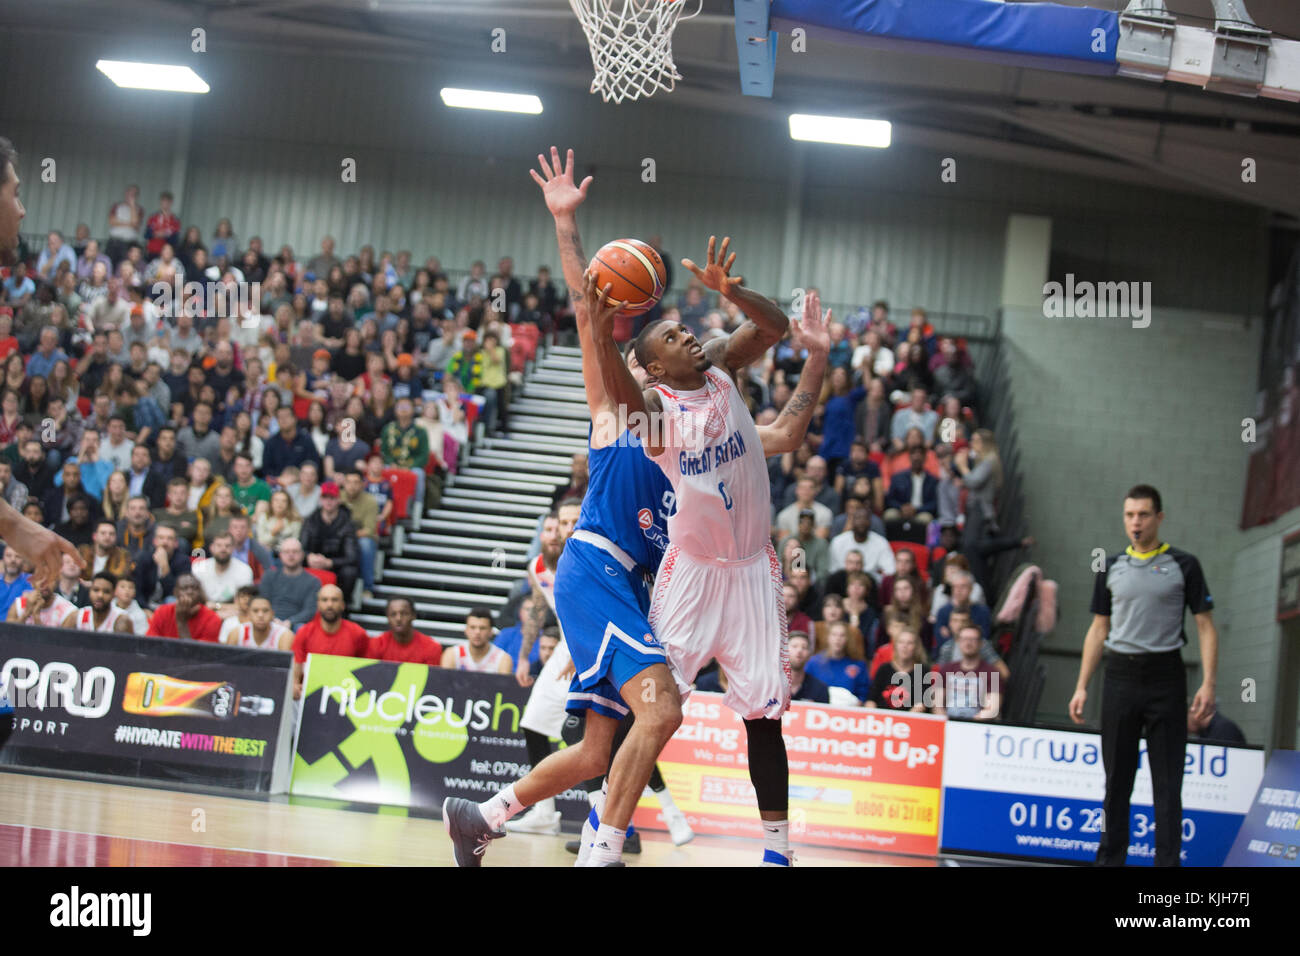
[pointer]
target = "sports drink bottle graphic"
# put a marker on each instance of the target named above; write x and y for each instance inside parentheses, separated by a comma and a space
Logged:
(157, 695)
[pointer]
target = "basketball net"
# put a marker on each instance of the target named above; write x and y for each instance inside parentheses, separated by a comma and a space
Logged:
(631, 44)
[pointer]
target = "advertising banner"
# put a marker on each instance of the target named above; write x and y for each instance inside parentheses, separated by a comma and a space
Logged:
(150, 707)
(861, 779)
(1031, 792)
(411, 735)
(1270, 834)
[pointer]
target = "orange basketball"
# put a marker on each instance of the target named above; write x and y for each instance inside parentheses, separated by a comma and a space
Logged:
(635, 271)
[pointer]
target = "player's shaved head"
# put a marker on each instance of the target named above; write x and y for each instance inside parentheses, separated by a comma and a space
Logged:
(644, 348)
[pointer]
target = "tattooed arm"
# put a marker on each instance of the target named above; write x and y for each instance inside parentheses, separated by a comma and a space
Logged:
(788, 431)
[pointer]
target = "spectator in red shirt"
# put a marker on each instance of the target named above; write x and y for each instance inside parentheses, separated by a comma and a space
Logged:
(401, 642)
(163, 227)
(327, 633)
(189, 617)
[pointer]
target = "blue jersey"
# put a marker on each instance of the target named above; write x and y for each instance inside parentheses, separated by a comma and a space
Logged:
(628, 500)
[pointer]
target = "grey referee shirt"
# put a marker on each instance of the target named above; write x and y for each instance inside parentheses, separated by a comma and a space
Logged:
(1144, 597)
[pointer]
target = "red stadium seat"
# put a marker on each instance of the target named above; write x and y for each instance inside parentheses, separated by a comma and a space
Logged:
(524, 337)
(403, 482)
(918, 551)
(325, 577)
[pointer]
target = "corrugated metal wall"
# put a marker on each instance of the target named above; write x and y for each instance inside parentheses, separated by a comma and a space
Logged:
(267, 144)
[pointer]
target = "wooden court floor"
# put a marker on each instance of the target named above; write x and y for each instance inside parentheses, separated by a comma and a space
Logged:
(55, 821)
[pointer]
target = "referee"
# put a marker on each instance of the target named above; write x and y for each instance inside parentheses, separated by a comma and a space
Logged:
(1137, 607)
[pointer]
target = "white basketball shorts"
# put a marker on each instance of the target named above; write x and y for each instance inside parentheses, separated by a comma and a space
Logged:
(733, 611)
(544, 713)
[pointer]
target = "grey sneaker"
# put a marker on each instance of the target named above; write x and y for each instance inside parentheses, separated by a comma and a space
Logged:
(469, 832)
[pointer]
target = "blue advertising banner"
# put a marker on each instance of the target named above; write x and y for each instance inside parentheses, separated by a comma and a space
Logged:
(1270, 835)
(1031, 792)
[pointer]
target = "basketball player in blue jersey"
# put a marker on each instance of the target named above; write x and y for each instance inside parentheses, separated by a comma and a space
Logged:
(601, 593)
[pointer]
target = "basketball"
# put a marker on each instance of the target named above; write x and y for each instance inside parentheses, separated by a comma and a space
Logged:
(635, 271)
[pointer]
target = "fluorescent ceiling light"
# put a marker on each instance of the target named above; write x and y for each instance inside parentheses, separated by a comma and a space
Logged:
(152, 76)
(843, 130)
(488, 100)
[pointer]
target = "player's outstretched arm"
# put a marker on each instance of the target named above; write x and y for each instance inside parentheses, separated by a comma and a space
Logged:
(41, 546)
(810, 332)
(766, 323)
(562, 200)
(633, 405)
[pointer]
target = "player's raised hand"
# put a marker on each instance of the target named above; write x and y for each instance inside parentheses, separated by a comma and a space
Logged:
(811, 331)
(562, 197)
(600, 308)
(716, 273)
(39, 545)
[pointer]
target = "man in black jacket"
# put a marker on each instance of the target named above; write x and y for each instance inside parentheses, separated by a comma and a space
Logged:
(34, 471)
(330, 540)
(156, 573)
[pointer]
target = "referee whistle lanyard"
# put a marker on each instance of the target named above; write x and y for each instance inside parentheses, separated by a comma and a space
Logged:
(1145, 555)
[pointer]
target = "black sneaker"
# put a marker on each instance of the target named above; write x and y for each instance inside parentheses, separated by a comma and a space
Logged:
(469, 832)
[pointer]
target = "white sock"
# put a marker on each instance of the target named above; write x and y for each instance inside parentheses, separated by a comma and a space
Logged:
(588, 838)
(609, 846)
(776, 836)
(665, 799)
(501, 807)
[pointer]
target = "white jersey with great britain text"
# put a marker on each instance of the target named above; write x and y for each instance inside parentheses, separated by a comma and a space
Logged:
(714, 459)
(718, 590)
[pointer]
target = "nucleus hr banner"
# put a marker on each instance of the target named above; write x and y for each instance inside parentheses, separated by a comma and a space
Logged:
(149, 707)
(863, 779)
(411, 735)
(1035, 792)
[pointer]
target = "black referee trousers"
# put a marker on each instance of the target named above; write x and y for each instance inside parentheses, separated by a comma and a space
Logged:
(1144, 694)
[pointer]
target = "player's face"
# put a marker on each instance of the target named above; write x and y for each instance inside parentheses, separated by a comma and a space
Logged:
(677, 352)
(400, 618)
(478, 631)
(259, 612)
(100, 595)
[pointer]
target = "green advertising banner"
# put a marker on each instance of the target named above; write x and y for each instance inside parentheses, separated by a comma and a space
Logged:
(410, 735)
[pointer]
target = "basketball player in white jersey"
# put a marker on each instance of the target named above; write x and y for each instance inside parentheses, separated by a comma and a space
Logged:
(46, 607)
(260, 630)
(103, 613)
(478, 653)
(718, 590)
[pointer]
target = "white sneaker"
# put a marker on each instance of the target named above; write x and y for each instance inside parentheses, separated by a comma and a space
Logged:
(535, 821)
(678, 828)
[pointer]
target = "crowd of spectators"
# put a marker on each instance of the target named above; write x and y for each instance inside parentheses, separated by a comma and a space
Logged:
(205, 414)
(207, 450)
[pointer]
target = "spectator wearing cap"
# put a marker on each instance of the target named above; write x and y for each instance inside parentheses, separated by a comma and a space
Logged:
(330, 541)
(406, 378)
(467, 364)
